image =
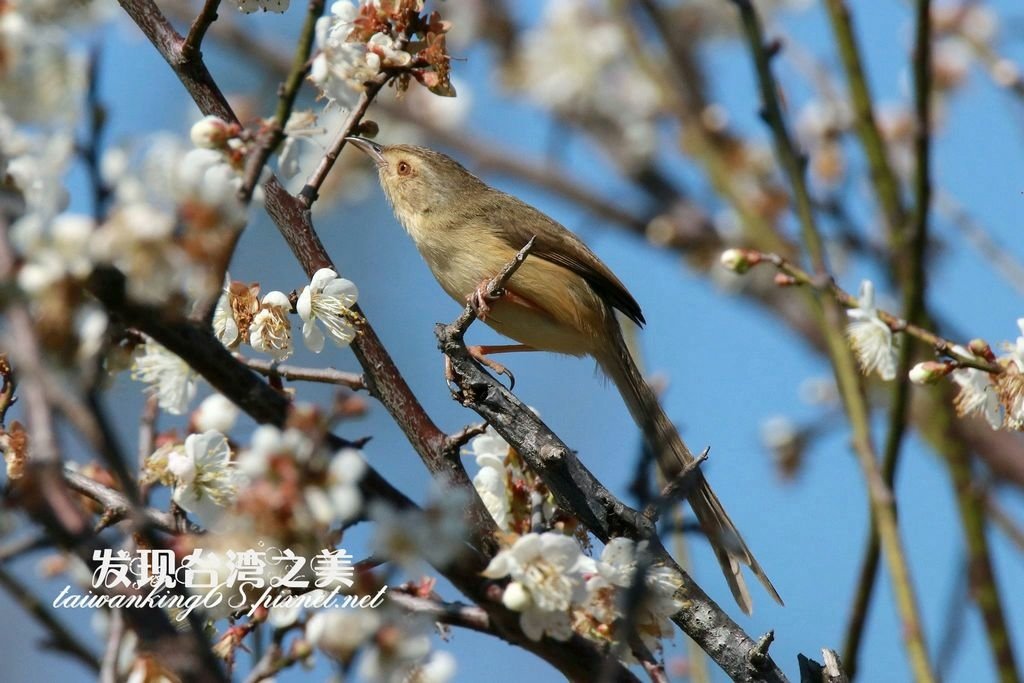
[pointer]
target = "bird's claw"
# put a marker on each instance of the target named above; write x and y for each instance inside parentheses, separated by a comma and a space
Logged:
(480, 299)
(477, 353)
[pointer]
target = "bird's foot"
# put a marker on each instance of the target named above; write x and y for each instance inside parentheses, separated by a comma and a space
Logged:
(480, 354)
(481, 299)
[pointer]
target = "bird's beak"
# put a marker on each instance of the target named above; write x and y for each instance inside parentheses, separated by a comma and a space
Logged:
(370, 148)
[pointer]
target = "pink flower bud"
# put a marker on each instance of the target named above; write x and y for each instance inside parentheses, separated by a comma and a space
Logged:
(740, 260)
(929, 372)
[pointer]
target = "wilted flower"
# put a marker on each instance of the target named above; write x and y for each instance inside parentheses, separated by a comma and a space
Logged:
(224, 326)
(1010, 383)
(271, 329)
(14, 442)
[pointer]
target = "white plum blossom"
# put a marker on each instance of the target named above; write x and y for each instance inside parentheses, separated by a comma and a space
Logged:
(36, 167)
(216, 412)
(138, 239)
(346, 469)
(384, 48)
(170, 378)
(491, 481)
(490, 484)
(327, 299)
(340, 633)
(593, 79)
(206, 480)
(301, 126)
(284, 615)
(435, 534)
(41, 80)
(614, 573)
(341, 68)
(397, 657)
(977, 396)
(210, 132)
(207, 185)
(546, 578)
(269, 441)
(439, 667)
(63, 254)
(91, 328)
(271, 329)
(871, 339)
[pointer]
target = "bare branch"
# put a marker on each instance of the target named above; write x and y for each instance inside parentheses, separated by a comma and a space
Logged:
(292, 372)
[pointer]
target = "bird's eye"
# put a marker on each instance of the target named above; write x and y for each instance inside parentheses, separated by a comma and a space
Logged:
(404, 168)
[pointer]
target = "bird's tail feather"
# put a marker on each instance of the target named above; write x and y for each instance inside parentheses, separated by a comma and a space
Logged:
(672, 455)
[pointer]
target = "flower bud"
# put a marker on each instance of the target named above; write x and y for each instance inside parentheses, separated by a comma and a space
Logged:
(210, 132)
(981, 349)
(740, 260)
(516, 598)
(929, 372)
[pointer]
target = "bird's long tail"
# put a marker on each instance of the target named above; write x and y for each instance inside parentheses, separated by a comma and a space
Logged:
(672, 455)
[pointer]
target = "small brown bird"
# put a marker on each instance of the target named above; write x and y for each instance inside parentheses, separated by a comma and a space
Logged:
(562, 299)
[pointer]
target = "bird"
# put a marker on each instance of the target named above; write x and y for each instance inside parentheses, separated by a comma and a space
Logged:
(562, 299)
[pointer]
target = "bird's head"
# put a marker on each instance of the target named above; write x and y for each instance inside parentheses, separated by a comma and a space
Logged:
(418, 181)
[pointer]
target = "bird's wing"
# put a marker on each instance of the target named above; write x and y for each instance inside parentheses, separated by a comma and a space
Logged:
(559, 246)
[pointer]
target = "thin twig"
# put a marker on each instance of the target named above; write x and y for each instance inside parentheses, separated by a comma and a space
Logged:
(897, 324)
(1007, 524)
(117, 507)
(352, 380)
(908, 246)
(452, 613)
(272, 136)
(190, 47)
(847, 376)
(453, 443)
(90, 148)
(883, 178)
(492, 290)
(576, 489)
(677, 489)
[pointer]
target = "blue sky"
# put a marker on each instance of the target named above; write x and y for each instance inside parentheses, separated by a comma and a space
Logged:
(730, 366)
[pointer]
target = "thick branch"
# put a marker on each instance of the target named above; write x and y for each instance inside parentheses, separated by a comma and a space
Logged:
(576, 489)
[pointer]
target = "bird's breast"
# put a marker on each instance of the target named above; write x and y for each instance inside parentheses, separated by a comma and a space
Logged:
(549, 308)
